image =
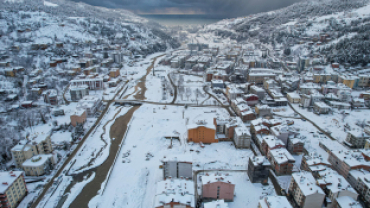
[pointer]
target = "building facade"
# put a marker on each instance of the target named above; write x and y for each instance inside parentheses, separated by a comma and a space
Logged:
(12, 189)
(258, 169)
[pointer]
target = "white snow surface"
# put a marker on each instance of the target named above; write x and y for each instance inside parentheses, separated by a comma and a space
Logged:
(133, 182)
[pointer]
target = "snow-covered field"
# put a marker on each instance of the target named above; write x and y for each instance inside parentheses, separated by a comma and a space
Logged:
(148, 129)
(154, 85)
(191, 91)
(335, 122)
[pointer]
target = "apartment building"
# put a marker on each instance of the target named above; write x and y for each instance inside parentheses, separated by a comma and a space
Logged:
(305, 192)
(257, 76)
(356, 139)
(77, 93)
(345, 161)
(354, 175)
(261, 93)
(91, 104)
(218, 186)
(294, 97)
(36, 144)
(242, 137)
(12, 188)
(314, 163)
(92, 82)
(180, 166)
(263, 110)
(78, 117)
(268, 143)
(364, 80)
(258, 169)
(203, 132)
(38, 165)
(335, 186)
(349, 80)
(175, 193)
(282, 161)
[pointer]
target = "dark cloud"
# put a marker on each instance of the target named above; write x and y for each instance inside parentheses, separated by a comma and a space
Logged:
(220, 8)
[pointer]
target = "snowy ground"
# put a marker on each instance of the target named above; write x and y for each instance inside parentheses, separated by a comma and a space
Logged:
(97, 145)
(284, 111)
(154, 85)
(148, 129)
(335, 122)
(191, 91)
(110, 92)
(33, 191)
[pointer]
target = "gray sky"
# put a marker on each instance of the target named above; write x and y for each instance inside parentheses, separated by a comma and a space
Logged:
(217, 8)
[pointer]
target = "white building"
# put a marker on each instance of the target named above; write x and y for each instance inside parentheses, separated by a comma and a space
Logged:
(305, 192)
(90, 104)
(38, 165)
(12, 188)
(356, 139)
(242, 137)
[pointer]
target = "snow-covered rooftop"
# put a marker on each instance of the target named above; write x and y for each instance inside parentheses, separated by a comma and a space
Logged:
(175, 190)
(335, 181)
(275, 202)
(216, 204)
(307, 183)
(178, 158)
(282, 156)
(352, 158)
(348, 202)
(37, 160)
(7, 179)
(257, 160)
(214, 177)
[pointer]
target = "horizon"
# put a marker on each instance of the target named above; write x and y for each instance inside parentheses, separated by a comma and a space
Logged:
(217, 8)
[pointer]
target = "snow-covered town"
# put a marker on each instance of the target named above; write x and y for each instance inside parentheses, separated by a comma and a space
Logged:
(102, 108)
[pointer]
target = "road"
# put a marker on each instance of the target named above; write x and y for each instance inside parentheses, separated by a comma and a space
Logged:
(117, 131)
(313, 123)
(72, 155)
(100, 175)
(174, 88)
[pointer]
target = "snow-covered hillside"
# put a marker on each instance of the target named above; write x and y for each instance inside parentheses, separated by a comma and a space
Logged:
(345, 25)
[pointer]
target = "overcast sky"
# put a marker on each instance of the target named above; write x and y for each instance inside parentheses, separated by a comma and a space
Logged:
(217, 8)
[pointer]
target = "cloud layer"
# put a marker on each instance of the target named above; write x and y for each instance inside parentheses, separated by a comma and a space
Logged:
(217, 8)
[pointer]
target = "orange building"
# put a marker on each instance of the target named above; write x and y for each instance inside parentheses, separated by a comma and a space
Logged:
(201, 132)
(114, 72)
(79, 116)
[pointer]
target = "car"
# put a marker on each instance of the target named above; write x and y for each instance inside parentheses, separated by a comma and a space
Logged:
(303, 119)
